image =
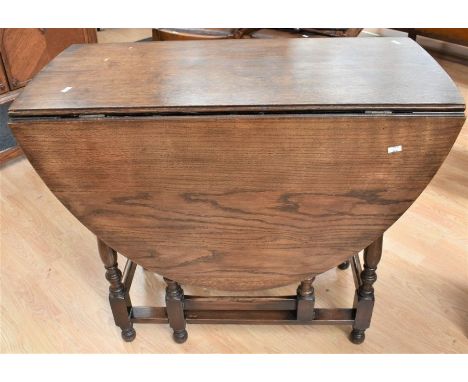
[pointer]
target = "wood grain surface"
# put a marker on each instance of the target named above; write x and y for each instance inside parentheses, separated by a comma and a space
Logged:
(253, 75)
(238, 202)
(53, 302)
(25, 51)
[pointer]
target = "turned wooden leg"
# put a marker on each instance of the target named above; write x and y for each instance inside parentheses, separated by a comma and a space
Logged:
(306, 300)
(175, 310)
(344, 265)
(364, 298)
(118, 296)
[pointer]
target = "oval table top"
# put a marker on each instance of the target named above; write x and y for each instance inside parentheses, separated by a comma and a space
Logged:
(240, 75)
(288, 170)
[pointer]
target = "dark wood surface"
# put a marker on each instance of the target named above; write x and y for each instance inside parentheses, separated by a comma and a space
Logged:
(238, 202)
(452, 35)
(170, 34)
(364, 298)
(175, 310)
(158, 315)
(180, 34)
(240, 303)
(119, 297)
(298, 309)
(237, 75)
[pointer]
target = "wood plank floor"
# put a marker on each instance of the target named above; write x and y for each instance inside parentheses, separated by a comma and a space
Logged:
(53, 294)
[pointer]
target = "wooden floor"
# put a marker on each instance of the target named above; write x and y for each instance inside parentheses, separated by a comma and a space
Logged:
(53, 293)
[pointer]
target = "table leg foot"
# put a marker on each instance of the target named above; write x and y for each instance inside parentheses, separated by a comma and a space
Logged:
(175, 310)
(344, 265)
(305, 310)
(119, 298)
(128, 334)
(180, 336)
(357, 336)
(364, 298)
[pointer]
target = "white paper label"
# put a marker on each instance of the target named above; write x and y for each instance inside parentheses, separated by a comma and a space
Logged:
(394, 149)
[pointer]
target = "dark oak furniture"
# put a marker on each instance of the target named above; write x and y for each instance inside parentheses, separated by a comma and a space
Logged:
(23, 53)
(453, 35)
(177, 34)
(239, 165)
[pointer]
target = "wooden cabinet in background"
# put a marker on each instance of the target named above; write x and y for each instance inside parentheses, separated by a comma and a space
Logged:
(168, 34)
(25, 51)
(3, 80)
(453, 35)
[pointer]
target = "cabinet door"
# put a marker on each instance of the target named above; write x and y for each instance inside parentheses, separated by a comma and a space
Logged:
(3, 79)
(26, 51)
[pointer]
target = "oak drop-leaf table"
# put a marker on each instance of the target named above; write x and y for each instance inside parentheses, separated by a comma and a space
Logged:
(239, 165)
